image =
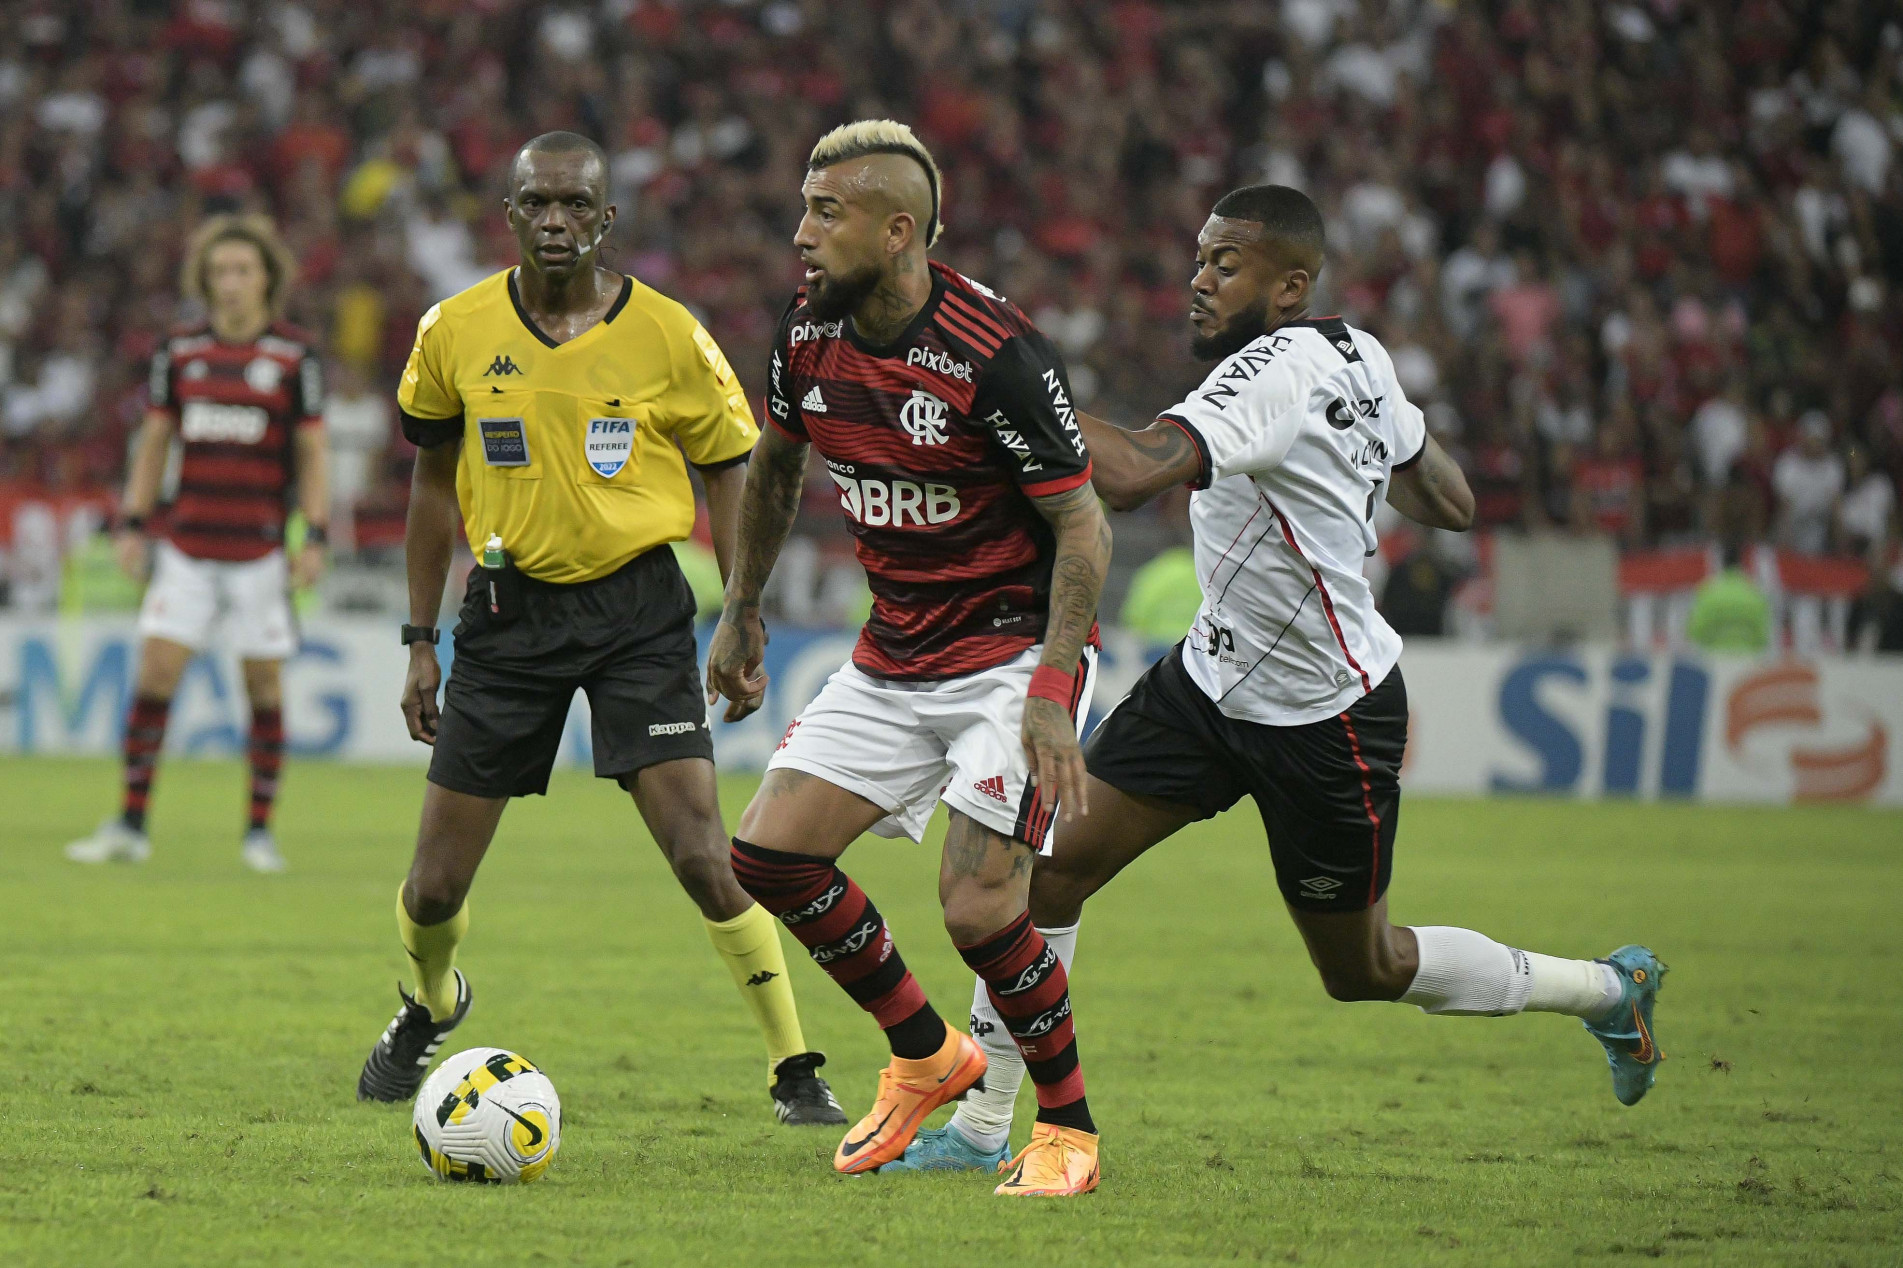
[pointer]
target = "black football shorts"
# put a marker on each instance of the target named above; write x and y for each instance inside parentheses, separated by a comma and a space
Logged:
(1329, 792)
(626, 639)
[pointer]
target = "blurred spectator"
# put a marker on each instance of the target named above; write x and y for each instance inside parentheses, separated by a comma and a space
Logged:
(1865, 513)
(1415, 598)
(357, 418)
(1164, 596)
(1729, 612)
(1808, 478)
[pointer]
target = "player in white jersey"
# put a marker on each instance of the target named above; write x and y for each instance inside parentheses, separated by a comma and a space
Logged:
(1287, 688)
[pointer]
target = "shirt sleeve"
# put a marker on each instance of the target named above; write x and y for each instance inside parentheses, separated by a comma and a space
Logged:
(1025, 400)
(431, 407)
(780, 414)
(160, 393)
(707, 408)
(309, 410)
(1240, 422)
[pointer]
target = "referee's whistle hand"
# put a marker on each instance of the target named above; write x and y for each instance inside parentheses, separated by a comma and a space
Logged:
(419, 692)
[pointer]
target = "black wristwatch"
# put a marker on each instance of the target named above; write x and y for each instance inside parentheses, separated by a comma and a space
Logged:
(420, 634)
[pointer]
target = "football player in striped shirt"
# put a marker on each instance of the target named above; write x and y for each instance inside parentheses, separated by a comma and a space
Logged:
(241, 395)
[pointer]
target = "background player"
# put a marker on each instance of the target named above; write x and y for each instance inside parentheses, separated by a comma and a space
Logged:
(243, 393)
(548, 402)
(1287, 688)
(945, 419)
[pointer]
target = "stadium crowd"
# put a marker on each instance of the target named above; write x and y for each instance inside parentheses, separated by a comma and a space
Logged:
(1642, 262)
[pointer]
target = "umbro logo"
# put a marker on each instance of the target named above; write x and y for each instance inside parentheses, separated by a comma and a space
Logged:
(992, 787)
(502, 367)
(762, 978)
(1320, 886)
(814, 402)
(1346, 345)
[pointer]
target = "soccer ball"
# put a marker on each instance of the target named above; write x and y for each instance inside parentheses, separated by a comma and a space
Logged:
(488, 1116)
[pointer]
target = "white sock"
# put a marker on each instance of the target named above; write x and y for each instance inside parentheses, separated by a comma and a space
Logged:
(984, 1118)
(1467, 974)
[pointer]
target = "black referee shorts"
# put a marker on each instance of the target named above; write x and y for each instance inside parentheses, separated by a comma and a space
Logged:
(1329, 792)
(627, 639)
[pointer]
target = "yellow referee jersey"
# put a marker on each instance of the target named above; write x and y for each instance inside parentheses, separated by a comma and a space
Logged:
(571, 452)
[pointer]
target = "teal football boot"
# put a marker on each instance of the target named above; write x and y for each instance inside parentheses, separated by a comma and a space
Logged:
(1626, 1031)
(943, 1149)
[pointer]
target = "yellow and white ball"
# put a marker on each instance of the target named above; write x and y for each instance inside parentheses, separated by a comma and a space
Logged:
(488, 1116)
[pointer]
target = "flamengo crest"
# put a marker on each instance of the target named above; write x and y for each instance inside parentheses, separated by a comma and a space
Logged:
(923, 418)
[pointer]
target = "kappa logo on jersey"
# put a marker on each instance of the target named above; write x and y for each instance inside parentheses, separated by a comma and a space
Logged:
(992, 788)
(923, 418)
(609, 444)
(262, 374)
(1343, 414)
(208, 422)
(940, 363)
(814, 402)
(882, 503)
(1013, 439)
(1060, 400)
(502, 367)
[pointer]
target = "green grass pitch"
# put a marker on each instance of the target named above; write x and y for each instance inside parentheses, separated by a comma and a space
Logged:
(183, 1041)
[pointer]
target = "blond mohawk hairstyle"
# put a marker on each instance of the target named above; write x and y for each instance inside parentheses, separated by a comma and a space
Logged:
(280, 265)
(880, 136)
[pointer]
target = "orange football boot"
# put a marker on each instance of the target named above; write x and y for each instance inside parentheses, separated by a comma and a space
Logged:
(908, 1092)
(1060, 1162)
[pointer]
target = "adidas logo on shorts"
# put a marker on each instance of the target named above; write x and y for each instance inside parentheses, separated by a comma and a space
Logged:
(814, 402)
(992, 787)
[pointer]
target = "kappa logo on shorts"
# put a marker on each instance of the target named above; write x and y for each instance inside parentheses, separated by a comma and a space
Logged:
(1320, 887)
(608, 445)
(993, 788)
(505, 442)
(673, 728)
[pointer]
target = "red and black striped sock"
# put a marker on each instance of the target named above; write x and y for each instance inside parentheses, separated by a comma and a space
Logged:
(847, 937)
(145, 736)
(266, 752)
(1031, 991)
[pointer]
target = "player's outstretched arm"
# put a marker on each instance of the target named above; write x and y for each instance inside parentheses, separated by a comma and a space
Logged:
(429, 536)
(1131, 467)
(1433, 491)
(769, 502)
(1077, 573)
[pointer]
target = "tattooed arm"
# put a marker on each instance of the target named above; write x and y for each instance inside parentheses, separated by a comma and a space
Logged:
(768, 504)
(1083, 556)
(1433, 491)
(1131, 467)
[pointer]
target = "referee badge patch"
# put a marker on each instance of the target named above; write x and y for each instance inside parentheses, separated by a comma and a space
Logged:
(608, 445)
(505, 442)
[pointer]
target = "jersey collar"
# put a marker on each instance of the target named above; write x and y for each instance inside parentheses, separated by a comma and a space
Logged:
(907, 337)
(614, 310)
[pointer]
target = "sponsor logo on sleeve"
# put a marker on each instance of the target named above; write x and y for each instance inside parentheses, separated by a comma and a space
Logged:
(1013, 439)
(1060, 401)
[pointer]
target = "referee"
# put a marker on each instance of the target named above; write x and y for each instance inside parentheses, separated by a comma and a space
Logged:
(551, 404)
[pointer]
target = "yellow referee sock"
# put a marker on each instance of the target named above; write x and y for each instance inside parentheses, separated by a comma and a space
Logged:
(432, 951)
(750, 944)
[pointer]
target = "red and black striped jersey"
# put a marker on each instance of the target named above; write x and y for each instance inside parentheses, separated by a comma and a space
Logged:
(938, 442)
(237, 407)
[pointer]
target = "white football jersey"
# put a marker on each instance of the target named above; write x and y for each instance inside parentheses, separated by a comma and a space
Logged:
(1298, 433)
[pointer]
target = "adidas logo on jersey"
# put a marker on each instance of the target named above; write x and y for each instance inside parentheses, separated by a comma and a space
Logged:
(992, 787)
(814, 402)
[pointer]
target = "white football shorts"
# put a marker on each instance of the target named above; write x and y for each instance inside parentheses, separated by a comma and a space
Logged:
(905, 746)
(187, 597)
